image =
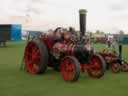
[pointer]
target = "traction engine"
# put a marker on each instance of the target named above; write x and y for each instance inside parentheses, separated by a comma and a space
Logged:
(64, 52)
(114, 60)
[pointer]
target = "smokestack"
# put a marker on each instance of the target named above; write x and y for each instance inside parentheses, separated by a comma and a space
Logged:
(82, 17)
(120, 51)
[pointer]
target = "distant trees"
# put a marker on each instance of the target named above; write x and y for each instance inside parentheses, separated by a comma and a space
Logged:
(121, 32)
(99, 32)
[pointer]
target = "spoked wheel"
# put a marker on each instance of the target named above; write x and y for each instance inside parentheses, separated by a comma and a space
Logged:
(124, 67)
(115, 67)
(36, 57)
(97, 66)
(70, 68)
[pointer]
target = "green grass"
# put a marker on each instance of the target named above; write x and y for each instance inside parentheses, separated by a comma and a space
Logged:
(14, 82)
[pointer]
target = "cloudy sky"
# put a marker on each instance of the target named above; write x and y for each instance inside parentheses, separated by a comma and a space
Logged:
(106, 15)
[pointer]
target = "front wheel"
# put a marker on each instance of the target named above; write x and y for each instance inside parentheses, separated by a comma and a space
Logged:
(97, 66)
(70, 68)
(124, 67)
(115, 67)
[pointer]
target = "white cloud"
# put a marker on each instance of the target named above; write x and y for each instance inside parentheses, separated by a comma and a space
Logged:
(107, 15)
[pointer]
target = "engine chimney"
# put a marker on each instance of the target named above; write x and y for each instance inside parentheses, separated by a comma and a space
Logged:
(120, 51)
(82, 18)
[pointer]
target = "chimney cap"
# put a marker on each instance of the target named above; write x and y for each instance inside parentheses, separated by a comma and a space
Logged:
(82, 11)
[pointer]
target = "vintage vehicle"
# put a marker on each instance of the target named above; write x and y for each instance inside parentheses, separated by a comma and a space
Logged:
(64, 52)
(114, 60)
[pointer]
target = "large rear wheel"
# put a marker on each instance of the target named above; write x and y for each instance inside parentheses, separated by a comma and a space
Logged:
(70, 68)
(36, 57)
(97, 66)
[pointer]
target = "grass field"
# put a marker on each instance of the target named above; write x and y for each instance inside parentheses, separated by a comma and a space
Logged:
(14, 82)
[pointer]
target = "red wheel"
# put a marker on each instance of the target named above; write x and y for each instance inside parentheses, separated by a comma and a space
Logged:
(115, 67)
(124, 67)
(36, 57)
(70, 68)
(97, 66)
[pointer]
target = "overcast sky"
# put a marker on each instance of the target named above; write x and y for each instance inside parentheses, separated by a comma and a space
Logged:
(106, 15)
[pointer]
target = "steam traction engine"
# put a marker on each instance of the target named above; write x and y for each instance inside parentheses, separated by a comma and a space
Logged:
(64, 53)
(114, 61)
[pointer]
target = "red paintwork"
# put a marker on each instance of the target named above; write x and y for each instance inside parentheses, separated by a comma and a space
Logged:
(108, 57)
(32, 54)
(124, 67)
(49, 41)
(84, 67)
(68, 69)
(95, 67)
(58, 49)
(115, 67)
(67, 48)
(94, 63)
